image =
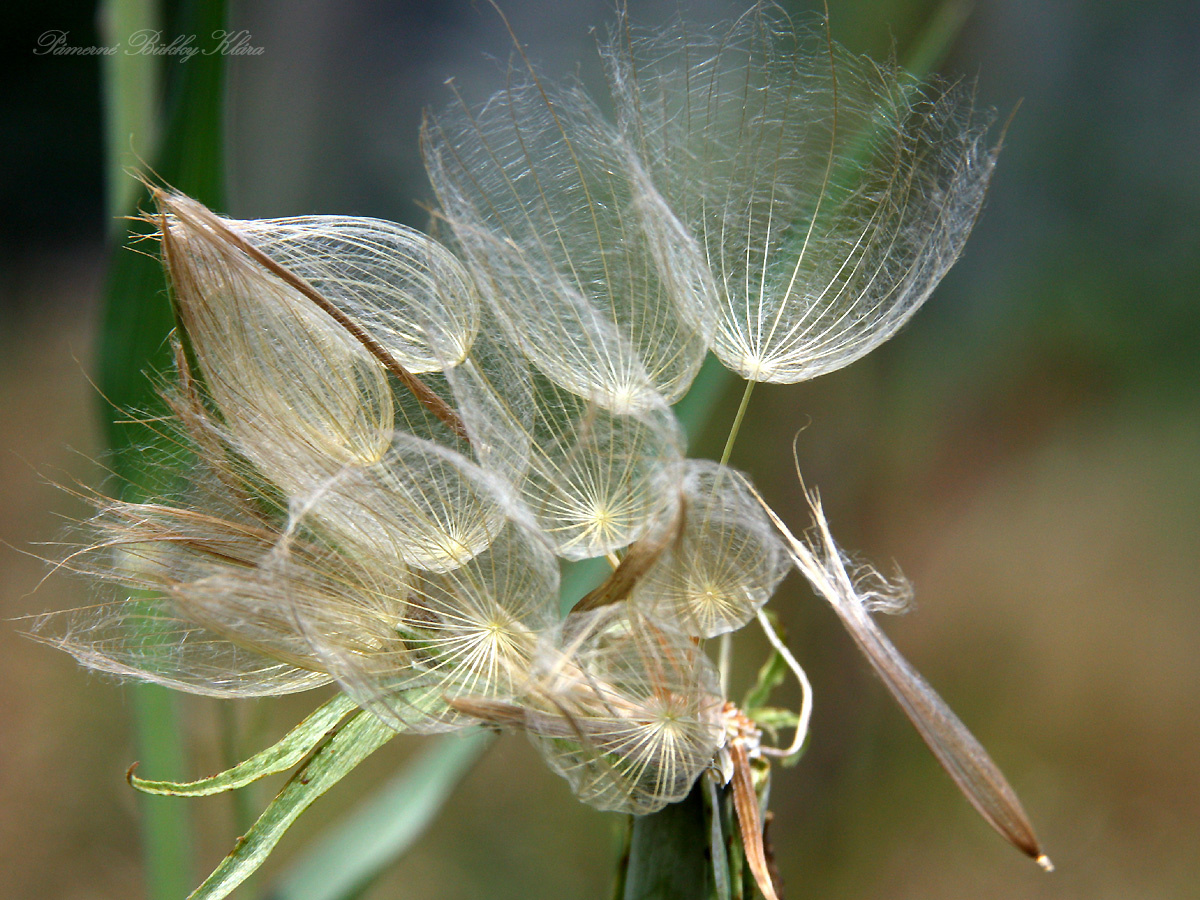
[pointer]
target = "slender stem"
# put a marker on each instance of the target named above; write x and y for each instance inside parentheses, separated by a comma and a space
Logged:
(726, 651)
(737, 422)
(718, 850)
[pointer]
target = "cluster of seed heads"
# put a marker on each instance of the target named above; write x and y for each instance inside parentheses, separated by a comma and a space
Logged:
(389, 441)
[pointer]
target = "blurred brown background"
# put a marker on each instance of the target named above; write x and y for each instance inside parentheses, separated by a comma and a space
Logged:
(1027, 450)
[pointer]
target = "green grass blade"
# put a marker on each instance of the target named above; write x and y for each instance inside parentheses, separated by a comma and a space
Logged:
(357, 739)
(166, 832)
(930, 47)
(351, 855)
(770, 676)
(137, 319)
(132, 85)
(286, 754)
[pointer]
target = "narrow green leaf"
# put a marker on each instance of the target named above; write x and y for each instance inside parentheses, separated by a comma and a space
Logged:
(939, 33)
(137, 319)
(770, 676)
(773, 719)
(132, 87)
(717, 848)
(360, 736)
(289, 752)
(350, 856)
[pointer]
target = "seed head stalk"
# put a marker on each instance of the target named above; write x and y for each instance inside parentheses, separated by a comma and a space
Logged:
(737, 422)
(725, 655)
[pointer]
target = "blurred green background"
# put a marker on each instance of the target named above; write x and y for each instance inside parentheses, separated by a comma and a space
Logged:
(1026, 449)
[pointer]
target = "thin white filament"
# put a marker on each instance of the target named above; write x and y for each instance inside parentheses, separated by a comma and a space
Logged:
(806, 700)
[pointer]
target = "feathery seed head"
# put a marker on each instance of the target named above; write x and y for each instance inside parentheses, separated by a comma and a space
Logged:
(389, 443)
(468, 632)
(725, 562)
(829, 194)
(628, 711)
(565, 237)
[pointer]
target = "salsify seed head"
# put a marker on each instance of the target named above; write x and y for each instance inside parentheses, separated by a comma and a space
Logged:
(828, 193)
(724, 562)
(386, 443)
(544, 198)
(626, 709)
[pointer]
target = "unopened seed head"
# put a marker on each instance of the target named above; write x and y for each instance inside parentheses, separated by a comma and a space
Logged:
(402, 287)
(293, 389)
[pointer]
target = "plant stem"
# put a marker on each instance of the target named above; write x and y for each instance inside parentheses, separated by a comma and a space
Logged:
(668, 857)
(242, 800)
(726, 651)
(737, 422)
